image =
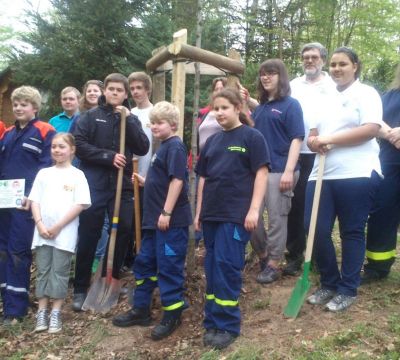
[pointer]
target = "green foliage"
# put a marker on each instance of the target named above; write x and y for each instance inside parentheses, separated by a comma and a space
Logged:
(80, 40)
(7, 36)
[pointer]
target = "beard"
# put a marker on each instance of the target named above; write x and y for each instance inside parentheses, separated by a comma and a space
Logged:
(313, 72)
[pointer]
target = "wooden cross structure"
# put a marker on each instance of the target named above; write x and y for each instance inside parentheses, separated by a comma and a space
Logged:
(178, 53)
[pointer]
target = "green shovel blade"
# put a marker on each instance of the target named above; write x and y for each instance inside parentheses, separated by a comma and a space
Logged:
(299, 293)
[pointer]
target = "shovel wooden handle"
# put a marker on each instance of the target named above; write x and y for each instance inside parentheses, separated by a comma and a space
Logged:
(138, 232)
(314, 210)
(117, 204)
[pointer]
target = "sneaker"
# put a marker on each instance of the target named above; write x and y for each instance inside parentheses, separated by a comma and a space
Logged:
(268, 275)
(209, 336)
(222, 339)
(55, 323)
(42, 320)
(263, 264)
(321, 297)
(12, 320)
(293, 266)
(340, 302)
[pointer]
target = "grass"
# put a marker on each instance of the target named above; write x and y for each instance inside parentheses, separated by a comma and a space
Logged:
(98, 333)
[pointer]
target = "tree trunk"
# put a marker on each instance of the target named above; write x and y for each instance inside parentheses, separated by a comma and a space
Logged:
(190, 258)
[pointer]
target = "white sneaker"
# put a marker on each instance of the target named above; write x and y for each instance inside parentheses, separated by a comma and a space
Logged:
(55, 323)
(42, 320)
(321, 297)
(340, 302)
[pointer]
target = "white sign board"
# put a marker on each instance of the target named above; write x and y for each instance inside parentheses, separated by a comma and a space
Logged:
(11, 193)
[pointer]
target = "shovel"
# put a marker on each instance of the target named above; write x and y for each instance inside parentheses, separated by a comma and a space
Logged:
(138, 235)
(303, 284)
(104, 291)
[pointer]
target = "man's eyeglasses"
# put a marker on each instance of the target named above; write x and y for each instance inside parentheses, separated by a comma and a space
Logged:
(312, 57)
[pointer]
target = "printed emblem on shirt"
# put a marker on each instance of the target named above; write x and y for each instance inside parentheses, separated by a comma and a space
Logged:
(101, 120)
(68, 187)
(276, 110)
(237, 148)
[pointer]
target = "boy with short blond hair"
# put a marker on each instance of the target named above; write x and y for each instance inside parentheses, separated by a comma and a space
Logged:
(166, 220)
(25, 149)
(70, 103)
(97, 146)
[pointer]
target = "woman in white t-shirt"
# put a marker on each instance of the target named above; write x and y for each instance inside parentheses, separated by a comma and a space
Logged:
(351, 176)
(59, 193)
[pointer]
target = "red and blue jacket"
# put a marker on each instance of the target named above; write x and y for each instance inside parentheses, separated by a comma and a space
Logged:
(24, 151)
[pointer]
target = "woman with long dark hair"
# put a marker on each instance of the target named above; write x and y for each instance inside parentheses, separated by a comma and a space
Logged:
(280, 119)
(350, 180)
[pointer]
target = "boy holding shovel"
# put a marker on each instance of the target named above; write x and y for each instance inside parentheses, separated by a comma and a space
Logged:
(97, 137)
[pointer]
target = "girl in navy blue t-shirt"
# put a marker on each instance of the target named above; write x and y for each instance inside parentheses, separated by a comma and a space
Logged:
(280, 119)
(233, 169)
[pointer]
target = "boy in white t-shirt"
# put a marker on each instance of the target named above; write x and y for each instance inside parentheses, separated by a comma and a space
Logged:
(140, 86)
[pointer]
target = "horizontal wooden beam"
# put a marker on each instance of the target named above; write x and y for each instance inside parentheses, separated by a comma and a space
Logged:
(207, 57)
(162, 56)
(184, 51)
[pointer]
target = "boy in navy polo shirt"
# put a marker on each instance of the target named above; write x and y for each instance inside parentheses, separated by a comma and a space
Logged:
(233, 169)
(166, 217)
(24, 150)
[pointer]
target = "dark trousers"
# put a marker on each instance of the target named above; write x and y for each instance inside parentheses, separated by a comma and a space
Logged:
(225, 245)
(161, 262)
(349, 200)
(296, 236)
(16, 233)
(89, 231)
(384, 221)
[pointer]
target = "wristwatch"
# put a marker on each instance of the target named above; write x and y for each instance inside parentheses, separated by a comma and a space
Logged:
(163, 212)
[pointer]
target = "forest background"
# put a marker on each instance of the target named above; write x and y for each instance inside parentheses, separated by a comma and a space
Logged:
(77, 40)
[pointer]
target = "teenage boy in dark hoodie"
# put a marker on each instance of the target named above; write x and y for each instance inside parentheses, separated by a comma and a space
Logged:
(97, 146)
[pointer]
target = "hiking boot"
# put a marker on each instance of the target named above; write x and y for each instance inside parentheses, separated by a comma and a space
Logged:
(372, 276)
(293, 266)
(42, 320)
(55, 323)
(209, 336)
(138, 316)
(340, 302)
(222, 339)
(77, 301)
(166, 327)
(268, 275)
(321, 297)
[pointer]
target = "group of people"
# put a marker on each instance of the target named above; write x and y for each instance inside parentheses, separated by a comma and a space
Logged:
(249, 162)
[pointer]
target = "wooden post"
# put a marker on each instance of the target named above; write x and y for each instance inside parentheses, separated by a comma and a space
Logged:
(158, 93)
(179, 80)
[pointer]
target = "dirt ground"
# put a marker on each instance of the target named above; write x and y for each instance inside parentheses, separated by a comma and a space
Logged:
(89, 336)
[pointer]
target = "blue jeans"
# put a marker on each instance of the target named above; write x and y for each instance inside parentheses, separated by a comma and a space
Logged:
(349, 200)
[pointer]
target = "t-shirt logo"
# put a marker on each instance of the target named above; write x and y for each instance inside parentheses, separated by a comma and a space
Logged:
(237, 148)
(68, 187)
